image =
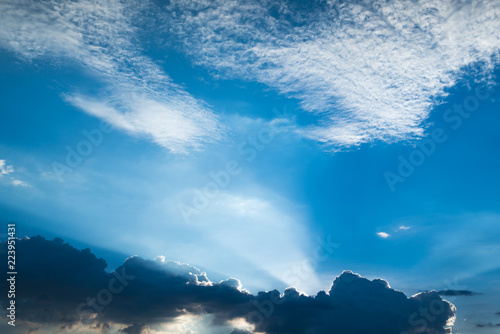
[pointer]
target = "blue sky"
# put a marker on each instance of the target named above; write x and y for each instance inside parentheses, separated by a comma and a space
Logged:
(302, 110)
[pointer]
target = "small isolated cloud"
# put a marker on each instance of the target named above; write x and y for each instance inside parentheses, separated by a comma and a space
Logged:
(404, 228)
(457, 293)
(67, 288)
(5, 169)
(9, 169)
(19, 183)
(383, 235)
(487, 325)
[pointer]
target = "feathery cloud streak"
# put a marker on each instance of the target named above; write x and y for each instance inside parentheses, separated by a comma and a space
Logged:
(139, 97)
(371, 69)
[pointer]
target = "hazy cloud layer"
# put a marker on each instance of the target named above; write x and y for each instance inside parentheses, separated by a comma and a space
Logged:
(138, 97)
(60, 286)
(371, 69)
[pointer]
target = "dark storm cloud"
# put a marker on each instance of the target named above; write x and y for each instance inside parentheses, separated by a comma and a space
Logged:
(487, 325)
(52, 276)
(356, 305)
(457, 293)
(134, 329)
(60, 285)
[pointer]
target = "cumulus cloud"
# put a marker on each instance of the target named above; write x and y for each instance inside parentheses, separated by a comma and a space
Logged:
(383, 235)
(63, 287)
(138, 97)
(372, 69)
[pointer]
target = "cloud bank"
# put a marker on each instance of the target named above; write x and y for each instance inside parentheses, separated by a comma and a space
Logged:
(137, 96)
(372, 70)
(60, 286)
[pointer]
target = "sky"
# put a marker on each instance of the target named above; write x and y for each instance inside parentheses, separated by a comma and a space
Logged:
(221, 150)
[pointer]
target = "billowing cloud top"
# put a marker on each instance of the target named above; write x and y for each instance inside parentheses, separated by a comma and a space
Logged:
(58, 285)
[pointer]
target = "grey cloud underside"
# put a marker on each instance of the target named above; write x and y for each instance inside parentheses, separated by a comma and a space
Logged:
(457, 293)
(372, 70)
(487, 325)
(54, 279)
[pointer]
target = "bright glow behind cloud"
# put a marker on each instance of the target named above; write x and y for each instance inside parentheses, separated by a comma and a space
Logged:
(371, 69)
(263, 232)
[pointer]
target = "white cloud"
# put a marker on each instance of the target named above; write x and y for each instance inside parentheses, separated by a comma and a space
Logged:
(138, 98)
(371, 69)
(5, 169)
(19, 183)
(403, 228)
(8, 169)
(383, 235)
(177, 125)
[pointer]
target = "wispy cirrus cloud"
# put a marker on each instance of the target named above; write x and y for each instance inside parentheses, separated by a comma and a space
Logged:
(19, 183)
(371, 69)
(138, 96)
